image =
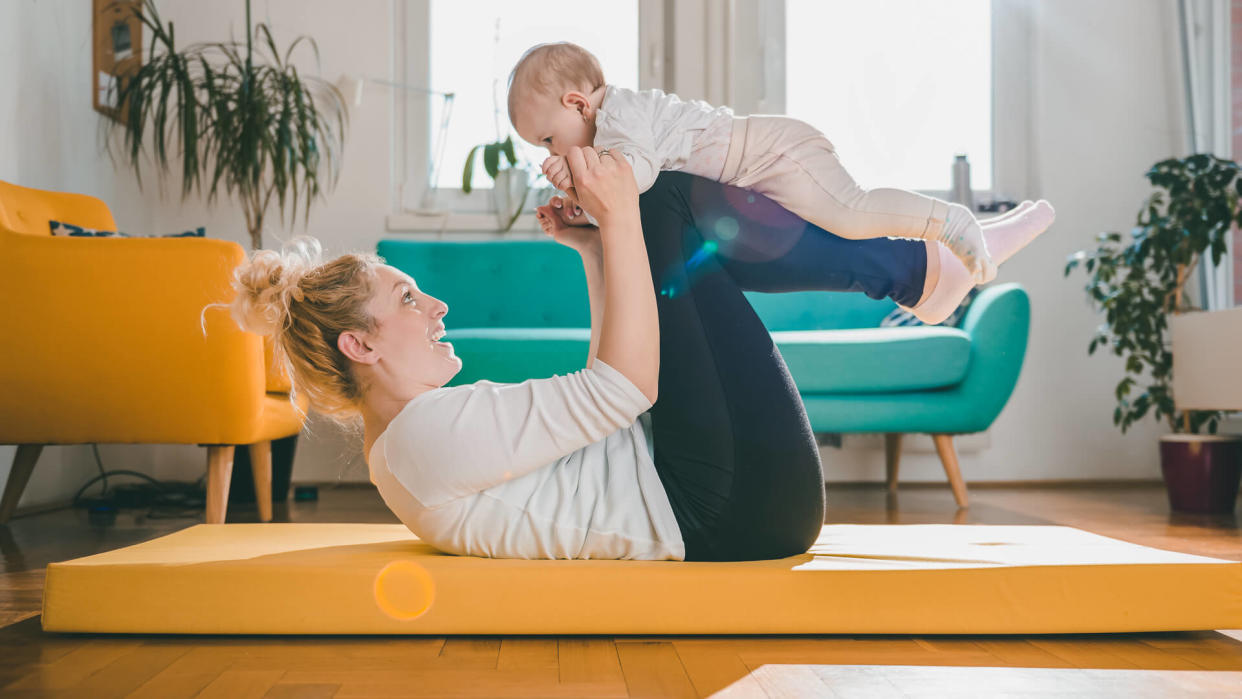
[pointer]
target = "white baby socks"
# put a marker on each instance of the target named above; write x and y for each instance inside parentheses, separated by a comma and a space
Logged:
(962, 234)
(1008, 234)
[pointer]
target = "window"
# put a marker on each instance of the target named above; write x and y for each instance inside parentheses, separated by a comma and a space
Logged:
(898, 99)
(475, 44)
(897, 106)
(469, 48)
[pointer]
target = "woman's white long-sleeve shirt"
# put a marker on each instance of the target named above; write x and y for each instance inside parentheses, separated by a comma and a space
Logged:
(548, 468)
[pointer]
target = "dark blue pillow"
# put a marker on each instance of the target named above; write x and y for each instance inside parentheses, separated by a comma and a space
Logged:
(68, 229)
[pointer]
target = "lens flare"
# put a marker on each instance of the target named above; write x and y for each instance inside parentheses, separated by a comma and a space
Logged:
(404, 590)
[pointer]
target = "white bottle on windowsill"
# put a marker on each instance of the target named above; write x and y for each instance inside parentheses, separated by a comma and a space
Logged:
(960, 192)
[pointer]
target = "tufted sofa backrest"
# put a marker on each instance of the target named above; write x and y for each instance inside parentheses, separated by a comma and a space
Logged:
(497, 283)
(819, 310)
(540, 284)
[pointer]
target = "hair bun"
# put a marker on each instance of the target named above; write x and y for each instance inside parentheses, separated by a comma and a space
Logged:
(267, 283)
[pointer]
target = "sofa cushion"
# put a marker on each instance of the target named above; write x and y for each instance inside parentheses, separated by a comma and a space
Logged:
(511, 355)
(874, 360)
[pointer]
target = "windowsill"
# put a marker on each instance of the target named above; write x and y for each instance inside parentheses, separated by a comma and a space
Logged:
(457, 222)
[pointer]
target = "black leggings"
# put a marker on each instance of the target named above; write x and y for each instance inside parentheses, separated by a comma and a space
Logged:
(733, 446)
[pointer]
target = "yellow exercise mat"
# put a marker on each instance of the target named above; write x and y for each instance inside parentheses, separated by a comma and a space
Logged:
(381, 579)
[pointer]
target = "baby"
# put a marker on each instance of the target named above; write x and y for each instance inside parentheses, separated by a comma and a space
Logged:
(558, 99)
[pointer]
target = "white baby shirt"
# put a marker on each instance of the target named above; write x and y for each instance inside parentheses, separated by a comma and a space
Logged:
(548, 468)
(657, 131)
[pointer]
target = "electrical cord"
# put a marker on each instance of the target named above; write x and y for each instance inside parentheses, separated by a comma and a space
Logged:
(164, 499)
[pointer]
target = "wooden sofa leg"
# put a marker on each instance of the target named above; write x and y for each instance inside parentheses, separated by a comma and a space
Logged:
(261, 468)
(892, 457)
(948, 457)
(219, 473)
(23, 465)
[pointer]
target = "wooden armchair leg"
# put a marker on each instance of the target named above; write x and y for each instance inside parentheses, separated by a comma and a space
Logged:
(219, 474)
(23, 465)
(948, 457)
(892, 457)
(261, 468)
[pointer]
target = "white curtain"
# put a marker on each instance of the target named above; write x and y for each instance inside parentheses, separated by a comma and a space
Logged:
(1204, 27)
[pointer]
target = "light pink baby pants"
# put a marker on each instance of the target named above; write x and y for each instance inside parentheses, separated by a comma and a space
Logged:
(795, 165)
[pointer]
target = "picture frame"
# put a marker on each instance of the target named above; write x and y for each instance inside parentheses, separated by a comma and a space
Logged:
(117, 51)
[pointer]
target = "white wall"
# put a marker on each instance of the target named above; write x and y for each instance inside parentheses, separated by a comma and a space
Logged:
(1106, 102)
(45, 68)
(1106, 106)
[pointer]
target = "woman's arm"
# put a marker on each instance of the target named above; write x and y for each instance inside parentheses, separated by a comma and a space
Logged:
(629, 338)
(593, 266)
(561, 220)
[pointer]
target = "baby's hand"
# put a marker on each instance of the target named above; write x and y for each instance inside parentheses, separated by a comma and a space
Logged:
(556, 169)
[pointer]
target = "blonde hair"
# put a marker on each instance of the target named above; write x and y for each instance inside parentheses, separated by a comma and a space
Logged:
(552, 69)
(304, 305)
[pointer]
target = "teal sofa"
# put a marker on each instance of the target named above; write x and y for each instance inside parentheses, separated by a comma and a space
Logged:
(518, 309)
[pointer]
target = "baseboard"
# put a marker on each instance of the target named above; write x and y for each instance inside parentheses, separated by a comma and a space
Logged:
(983, 485)
(904, 485)
(918, 442)
(1091, 484)
(24, 510)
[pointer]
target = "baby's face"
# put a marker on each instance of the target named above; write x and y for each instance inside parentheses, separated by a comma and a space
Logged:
(547, 122)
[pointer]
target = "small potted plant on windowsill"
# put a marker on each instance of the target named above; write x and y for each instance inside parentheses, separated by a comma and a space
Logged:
(1139, 284)
(511, 184)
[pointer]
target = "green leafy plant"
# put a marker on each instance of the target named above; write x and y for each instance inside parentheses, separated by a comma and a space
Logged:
(257, 129)
(491, 164)
(491, 161)
(1140, 283)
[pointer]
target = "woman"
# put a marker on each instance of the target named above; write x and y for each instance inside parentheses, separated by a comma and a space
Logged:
(723, 467)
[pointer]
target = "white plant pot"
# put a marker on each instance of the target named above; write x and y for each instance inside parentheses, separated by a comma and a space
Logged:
(508, 195)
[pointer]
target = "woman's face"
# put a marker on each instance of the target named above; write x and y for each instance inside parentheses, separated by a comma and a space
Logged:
(405, 342)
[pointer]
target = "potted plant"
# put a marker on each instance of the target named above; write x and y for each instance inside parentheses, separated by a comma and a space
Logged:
(256, 128)
(260, 129)
(1139, 284)
(511, 184)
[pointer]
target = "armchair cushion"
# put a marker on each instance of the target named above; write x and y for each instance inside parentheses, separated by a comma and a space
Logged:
(874, 360)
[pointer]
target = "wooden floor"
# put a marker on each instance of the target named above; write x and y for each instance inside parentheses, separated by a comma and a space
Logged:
(34, 663)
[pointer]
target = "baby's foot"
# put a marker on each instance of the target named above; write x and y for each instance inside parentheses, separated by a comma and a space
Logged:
(1011, 235)
(964, 237)
(985, 223)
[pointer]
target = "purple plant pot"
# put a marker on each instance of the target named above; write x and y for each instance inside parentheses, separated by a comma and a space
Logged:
(1201, 471)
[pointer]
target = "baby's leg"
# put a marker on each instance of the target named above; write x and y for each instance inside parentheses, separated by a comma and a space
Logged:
(801, 171)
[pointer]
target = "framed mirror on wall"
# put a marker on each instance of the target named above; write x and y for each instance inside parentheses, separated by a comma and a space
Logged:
(117, 50)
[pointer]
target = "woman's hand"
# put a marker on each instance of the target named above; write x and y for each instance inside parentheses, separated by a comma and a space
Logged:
(604, 183)
(567, 225)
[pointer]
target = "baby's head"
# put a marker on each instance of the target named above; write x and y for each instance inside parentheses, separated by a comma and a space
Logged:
(550, 92)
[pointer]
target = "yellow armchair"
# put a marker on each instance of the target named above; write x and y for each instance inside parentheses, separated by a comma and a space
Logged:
(101, 342)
